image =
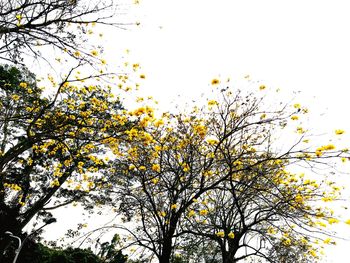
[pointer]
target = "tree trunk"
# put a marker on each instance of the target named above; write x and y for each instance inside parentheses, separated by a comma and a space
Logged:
(168, 238)
(228, 259)
(166, 251)
(229, 256)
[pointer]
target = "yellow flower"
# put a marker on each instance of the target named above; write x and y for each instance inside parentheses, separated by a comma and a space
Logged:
(14, 187)
(300, 130)
(15, 97)
(142, 76)
(262, 87)
(215, 82)
(271, 230)
(135, 66)
(212, 103)
(55, 183)
(299, 199)
(220, 234)
(212, 141)
(156, 168)
(313, 253)
(287, 242)
(328, 241)
(139, 99)
(23, 85)
(294, 118)
(173, 206)
(318, 153)
(321, 224)
(162, 213)
(296, 105)
(191, 213)
(339, 132)
(185, 167)
(94, 52)
(159, 123)
(77, 54)
(347, 222)
(155, 180)
(142, 168)
(231, 235)
(200, 130)
(327, 199)
(328, 147)
(203, 212)
(333, 221)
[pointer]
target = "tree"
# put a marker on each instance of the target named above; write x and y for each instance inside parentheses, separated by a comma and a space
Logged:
(264, 209)
(26, 26)
(198, 249)
(42, 254)
(52, 148)
(110, 253)
(36, 252)
(174, 164)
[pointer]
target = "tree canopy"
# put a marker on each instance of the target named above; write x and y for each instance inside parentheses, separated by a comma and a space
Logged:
(218, 174)
(231, 180)
(52, 148)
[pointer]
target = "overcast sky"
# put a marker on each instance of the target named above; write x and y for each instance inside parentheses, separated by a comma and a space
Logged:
(299, 45)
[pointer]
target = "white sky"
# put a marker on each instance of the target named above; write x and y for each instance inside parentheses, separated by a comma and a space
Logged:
(301, 45)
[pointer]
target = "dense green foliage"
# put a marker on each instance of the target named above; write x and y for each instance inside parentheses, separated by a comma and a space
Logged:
(38, 253)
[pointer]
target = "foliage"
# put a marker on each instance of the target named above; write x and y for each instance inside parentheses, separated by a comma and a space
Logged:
(38, 253)
(52, 148)
(42, 254)
(109, 252)
(69, 255)
(218, 173)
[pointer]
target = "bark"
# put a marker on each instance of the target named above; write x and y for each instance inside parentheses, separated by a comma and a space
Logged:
(229, 256)
(168, 237)
(166, 251)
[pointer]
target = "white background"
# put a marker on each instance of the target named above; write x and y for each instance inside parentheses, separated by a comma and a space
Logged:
(299, 45)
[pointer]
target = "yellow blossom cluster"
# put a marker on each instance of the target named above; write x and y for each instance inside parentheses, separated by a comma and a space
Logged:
(14, 187)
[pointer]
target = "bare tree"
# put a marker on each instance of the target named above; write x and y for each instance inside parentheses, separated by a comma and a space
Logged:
(26, 26)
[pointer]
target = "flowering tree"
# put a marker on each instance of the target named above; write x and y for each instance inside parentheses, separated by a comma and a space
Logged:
(52, 148)
(262, 210)
(216, 173)
(26, 26)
